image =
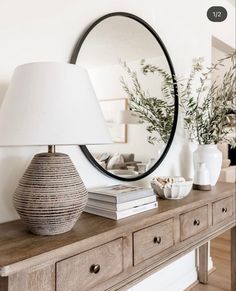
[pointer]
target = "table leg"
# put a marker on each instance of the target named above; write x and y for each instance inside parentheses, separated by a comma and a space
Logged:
(203, 264)
(233, 258)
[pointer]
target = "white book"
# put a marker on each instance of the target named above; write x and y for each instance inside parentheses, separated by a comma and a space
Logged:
(121, 206)
(116, 215)
(119, 193)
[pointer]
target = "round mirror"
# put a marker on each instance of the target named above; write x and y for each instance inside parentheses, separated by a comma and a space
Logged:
(130, 68)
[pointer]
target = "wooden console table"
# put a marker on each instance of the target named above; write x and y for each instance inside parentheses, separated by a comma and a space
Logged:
(102, 254)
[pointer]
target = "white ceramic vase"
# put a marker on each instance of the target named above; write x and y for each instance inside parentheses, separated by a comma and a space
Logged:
(212, 157)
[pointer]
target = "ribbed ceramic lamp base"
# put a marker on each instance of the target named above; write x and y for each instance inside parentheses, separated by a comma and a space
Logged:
(51, 195)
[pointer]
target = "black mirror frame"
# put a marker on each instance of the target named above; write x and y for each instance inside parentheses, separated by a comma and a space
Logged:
(73, 60)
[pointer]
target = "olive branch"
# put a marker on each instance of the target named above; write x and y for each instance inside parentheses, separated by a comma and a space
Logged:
(208, 110)
(157, 113)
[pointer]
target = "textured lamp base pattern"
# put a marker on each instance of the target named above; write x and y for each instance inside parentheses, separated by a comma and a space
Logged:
(50, 196)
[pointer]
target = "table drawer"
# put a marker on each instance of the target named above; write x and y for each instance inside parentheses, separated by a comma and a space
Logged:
(222, 209)
(88, 269)
(152, 240)
(193, 222)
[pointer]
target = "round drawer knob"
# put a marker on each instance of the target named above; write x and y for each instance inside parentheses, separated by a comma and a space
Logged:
(197, 222)
(157, 240)
(224, 209)
(95, 268)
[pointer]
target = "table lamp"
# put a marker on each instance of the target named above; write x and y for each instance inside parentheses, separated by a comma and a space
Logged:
(51, 104)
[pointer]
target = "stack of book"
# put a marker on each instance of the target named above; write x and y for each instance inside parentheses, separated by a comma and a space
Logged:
(120, 201)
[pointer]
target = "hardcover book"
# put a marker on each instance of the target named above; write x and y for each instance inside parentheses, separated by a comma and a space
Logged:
(116, 215)
(119, 193)
(120, 206)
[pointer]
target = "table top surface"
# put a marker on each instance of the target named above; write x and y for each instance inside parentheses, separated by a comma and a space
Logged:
(18, 244)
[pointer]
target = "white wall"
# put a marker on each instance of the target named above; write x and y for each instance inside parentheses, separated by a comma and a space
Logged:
(217, 54)
(46, 30)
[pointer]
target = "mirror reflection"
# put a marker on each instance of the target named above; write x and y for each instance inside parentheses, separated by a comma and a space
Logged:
(127, 68)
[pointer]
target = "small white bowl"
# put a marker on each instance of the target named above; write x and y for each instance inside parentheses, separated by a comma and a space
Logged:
(176, 190)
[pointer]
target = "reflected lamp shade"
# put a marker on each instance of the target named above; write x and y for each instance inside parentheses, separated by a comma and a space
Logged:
(51, 104)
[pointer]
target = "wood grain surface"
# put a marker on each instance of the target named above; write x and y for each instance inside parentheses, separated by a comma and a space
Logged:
(233, 258)
(193, 222)
(222, 209)
(75, 273)
(203, 264)
(152, 240)
(219, 278)
(22, 253)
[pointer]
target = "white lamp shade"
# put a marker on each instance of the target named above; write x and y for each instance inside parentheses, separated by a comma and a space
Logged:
(51, 104)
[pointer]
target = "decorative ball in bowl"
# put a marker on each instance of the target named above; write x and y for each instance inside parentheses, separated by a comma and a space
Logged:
(172, 188)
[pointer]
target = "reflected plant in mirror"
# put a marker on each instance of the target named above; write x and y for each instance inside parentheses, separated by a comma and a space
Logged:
(140, 143)
(157, 112)
(209, 108)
